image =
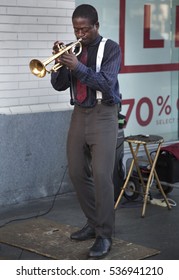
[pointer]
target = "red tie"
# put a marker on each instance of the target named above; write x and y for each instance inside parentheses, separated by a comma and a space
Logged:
(82, 88)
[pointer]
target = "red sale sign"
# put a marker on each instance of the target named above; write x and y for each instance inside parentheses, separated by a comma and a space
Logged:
(137, 30)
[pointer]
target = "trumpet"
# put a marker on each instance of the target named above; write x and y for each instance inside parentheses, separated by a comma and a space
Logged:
(38, 68)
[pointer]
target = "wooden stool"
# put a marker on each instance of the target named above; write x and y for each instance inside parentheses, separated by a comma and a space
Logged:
(137, 141)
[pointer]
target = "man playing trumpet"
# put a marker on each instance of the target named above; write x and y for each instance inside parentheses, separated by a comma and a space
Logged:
(92, 135)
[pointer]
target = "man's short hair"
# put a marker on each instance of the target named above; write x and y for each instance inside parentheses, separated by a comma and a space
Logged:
(86, 11)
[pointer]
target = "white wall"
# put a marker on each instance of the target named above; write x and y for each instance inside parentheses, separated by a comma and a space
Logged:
(28, 30)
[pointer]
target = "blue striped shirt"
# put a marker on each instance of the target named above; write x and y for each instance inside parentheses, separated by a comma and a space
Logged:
(105, 81)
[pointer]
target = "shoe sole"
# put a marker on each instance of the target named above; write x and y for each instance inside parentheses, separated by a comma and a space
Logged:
(99, 257)
(79, 239)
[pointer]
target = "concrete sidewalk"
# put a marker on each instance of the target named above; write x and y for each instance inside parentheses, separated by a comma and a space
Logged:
(159, 229)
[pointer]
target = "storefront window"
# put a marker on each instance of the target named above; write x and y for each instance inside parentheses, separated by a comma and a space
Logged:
(148, 32)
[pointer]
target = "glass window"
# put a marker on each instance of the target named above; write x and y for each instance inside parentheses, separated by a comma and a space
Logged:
(148, 33)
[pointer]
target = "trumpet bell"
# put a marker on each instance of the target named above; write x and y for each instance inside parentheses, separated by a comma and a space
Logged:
(37, 68)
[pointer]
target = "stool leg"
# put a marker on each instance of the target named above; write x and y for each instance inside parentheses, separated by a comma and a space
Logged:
(153, 172)
(152, 163)
(156, 175)
(125, 185)
(134, 154)
(128, 176)
(146, 193)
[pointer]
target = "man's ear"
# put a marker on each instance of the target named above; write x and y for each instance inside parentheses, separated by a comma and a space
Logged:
(97, 25)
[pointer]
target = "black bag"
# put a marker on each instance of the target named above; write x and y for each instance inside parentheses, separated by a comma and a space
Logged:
(167, 165)
(121, 121)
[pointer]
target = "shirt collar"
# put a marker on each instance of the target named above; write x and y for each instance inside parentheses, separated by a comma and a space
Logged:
(96, 41)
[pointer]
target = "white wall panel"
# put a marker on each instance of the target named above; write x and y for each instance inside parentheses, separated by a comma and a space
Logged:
(28, 30)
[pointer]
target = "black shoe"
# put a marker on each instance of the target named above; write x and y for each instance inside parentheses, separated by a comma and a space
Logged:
(100, 248)
(87, 232)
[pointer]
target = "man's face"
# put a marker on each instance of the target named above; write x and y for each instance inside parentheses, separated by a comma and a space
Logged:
(85, 30)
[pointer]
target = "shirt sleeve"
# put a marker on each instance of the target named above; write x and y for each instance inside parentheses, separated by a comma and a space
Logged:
(60, 80)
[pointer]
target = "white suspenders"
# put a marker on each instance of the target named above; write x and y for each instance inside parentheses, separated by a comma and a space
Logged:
(98, 63)
(100, 54)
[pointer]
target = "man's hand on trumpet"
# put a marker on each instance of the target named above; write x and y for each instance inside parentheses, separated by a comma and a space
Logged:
(56, 48)
(68, 58)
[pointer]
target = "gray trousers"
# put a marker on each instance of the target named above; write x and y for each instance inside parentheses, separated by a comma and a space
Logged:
(91, 148)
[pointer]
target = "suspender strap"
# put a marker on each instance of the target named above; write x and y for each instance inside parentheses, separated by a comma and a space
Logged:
(98, 63)
(100, 54)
